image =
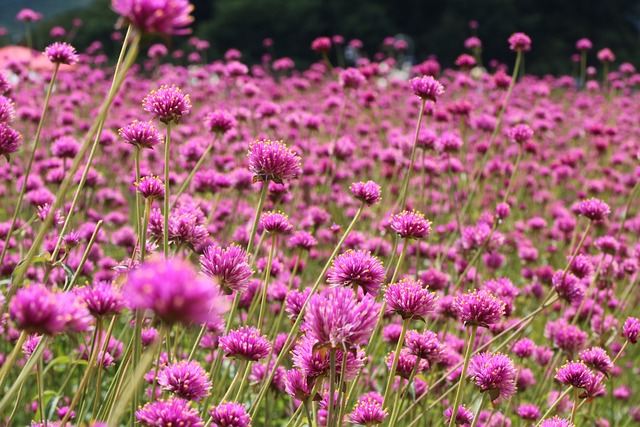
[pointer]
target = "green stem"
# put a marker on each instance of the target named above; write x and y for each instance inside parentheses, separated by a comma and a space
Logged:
(332, 385)
(27, 171)
(394, 365)
(553, 406)
(85, 255)
(167, 192)
(195, 169)
(465, 365)
(256, 219)
(143, 231)
(405, 182)
(263, 291)
(8, 363)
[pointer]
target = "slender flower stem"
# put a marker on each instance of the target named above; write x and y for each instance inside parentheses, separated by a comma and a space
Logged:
(195, 169)
(27, 171)
(553, 406)
(263, 292)
(576, 400)
(256, 219)
(40, 393)
(465, 365)
(394, 365)
(8, 363)
(143, 231)
(332, 385)
(630, 199)
(583, 68)
(139, 220)
(85, 255)
(405, 183)
(26, 371)
(298, 321)
(167, 192)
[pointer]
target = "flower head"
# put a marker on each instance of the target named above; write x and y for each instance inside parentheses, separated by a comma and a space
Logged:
(584, 44)
(36, 309)
(606, 55)
(272, 161)
(426, 87)
(151, 187)
(229, 267)
(425, 345)
(357, 268)
(520, 42)
(141, 134)
(220, 121)
(409, 299)
(170, 17)
(368, 412)
(102, 299)
(167, 103)
(556, 422)
(174, 291)
(351, 78)
(520, 133)
(478, 308)
(631, 329)
(168, 413)
(464, 417)
(336, 318)
(275, 223)
(367, 192)
(494, 374)
(411, 225)
(185, 379)
(593, 209)
(9, 140)
(575, 374)
(245, 343)
(230, 414)
(28, 15)
(61, 53)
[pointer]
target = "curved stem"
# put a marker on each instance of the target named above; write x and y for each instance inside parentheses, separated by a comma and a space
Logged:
(167, 192)
(405, 183)
(465, 365)
(27, 171)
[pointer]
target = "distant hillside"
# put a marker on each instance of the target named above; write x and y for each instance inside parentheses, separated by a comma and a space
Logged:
(48, 8)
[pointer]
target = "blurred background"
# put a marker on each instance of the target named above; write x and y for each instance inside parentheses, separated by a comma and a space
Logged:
(436, 28)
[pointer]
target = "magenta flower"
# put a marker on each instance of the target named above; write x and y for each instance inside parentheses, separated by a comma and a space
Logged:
(584, 44)
(606, 55)
(245, 343)
(151, 187)
(297, 385)
(367, 192)
(357, 268)
(336, 318)
(494, 374)
(568, 287)
(593, 209)
(520, 133)
(409, 299)
(229, 267)
(275, 222)
(425, 345)
(556, 422)
(141, 134)
(102, 299)
(410, 225)
(575, 374)
(520, 42)
(185, 379)
(426, 87)
(478, 308)
(37, 310)
(167, 103)
(220, 121)
(230, 414)
(464, 417)
(171, 17)
(9, 140)
(61, 53)
(631, 329)
(321, 44)
(169, 413)
(174, 291)
(272, 161)
(28, 15)
(598, 359)
(351, 78)
(528, 411)
(368, 412)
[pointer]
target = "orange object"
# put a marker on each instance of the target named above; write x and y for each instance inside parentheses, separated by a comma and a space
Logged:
(36, 60)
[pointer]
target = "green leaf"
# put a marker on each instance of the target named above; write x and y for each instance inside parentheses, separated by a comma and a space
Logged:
(60, 360)
(68, 274)
(22, 265)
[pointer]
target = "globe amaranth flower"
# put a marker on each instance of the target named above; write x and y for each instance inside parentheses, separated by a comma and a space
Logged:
(584, 44)
(410, 225)
(367, 192)
(464, 417)
(368, 412)
(275, 222)
(494, 374)
(520, 42)
(141, 134)
(568, 287)
(151, 187)
(61, 53)
(171, 17)
(425, 345)
(606, 55)
(556, 422)
(185, 379)
(598, 359)
(593, 209)
(167, 103)
(168, 413)
(7, 109)
(314, 362)
(520, 133)
(357, 268)
(9, 140)
(631, 329)
(28, 15)
(351, 78)
(426, 87)
(528, 411)
(228, 266)
(478, 308)
(230, 414)
(336, 318)
(37, 309)
(245, 343)
(409, 299)
(297, 385)
(303, 240)
(220, 121)
(174, 291)
(321, 44)
(406, 363)
(102, 299)
(272, 161)
(575, 374)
